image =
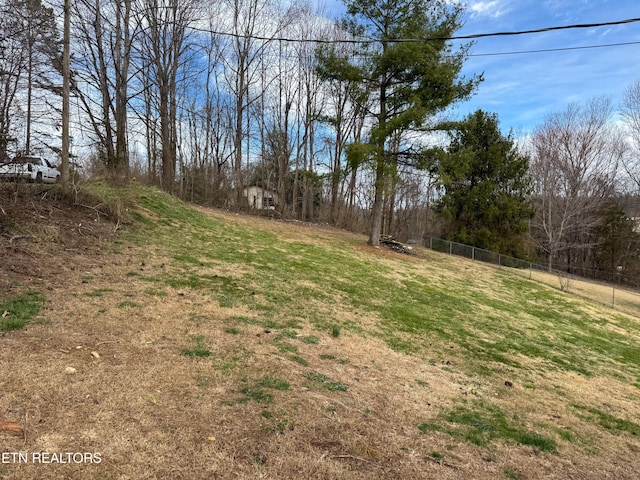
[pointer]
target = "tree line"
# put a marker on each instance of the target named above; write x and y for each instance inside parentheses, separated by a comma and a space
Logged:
(346, 124)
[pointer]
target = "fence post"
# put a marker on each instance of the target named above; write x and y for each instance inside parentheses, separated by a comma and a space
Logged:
(450, 248)
(499, 260)
(530, 270)
(473, 253)
(613, 297)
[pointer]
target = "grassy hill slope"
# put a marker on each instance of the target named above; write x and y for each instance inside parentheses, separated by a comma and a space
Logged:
(205, 344)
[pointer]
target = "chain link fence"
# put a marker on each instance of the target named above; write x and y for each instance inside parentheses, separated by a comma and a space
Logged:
(611, 294)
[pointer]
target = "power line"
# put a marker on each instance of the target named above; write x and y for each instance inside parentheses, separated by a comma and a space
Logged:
(293, 56)
(541, 30)
(420, 40)
(547, 50)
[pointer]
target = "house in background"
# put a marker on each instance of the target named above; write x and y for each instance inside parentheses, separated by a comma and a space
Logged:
(630, 204)
(260, 198)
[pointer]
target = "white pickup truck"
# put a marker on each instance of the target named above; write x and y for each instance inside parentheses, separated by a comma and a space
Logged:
(31, 169)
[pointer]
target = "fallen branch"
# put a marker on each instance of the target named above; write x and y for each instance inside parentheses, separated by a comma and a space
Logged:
(12, 428)
(95, 209)
(16, 237)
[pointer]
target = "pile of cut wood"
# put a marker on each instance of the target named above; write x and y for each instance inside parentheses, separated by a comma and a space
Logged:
(391, 243)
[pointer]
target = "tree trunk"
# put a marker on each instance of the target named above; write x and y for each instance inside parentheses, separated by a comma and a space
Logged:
(378, 203)
(104, 91)
(66, 82)
(168, 165)
(27, 145)
(381, 154)
(122, 58)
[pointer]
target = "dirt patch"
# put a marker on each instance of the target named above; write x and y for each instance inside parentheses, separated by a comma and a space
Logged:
(46, 237)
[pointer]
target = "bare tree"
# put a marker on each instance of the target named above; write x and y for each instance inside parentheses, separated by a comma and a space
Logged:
(104, 38)
(42, 50)
(165, 50)
(218, 140)
(253, 24)
(308, 25)
(121, 62)
(345, 109)
(66, 93)
(210, 133)
(630, 111)
(13, 64)
(280, 102)
(29, 47)
(576, 154)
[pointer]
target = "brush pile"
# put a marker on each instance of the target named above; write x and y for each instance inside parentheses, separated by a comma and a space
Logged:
(391, 243)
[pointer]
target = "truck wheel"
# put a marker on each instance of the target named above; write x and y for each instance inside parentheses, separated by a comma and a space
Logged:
(39, 177)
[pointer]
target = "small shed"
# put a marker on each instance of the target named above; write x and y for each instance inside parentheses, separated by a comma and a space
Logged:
(260, 198)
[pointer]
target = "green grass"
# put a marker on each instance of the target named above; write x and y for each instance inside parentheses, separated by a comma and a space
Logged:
(98, 293)
(312, 339)
(288, 284)
(285, 325)
(156, 292)
(15, 313)
(231, 362)
(256, 394)
(327, 356)
(612, 423)
(273, 382)
(286, 333)
(436, 455)
(198, 350)
(287, 347)
(245, 320)
(497, 322)
(481, 423)
(325, 382)
(298, 359)
(256, 390)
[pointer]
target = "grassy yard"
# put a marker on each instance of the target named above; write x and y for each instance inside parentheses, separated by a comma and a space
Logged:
(206, 344)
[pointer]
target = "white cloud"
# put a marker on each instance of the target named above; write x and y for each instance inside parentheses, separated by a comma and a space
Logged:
(493, 8)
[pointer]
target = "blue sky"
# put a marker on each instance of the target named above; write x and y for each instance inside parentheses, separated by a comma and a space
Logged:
(523, 89)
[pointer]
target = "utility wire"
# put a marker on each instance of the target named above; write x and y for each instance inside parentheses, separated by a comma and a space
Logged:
(293, 56)
(547, 50)
(420, 40)
(539, 30)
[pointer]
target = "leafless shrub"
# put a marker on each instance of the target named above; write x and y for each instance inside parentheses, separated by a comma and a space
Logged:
(566, 283)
